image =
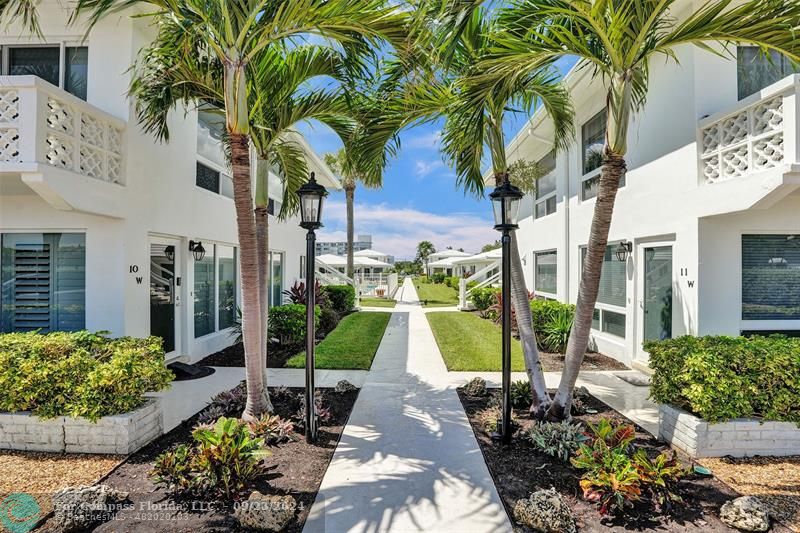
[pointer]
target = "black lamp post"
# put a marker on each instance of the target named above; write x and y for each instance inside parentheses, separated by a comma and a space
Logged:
(311, 196)
(505, 201)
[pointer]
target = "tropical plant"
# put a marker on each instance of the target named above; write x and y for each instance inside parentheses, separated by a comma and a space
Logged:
(272, 429)
(342, 298)
(520, 394)
(287, 323)
(559, 439)
(483, 299)
(555, 332)
(424, 250)
(297, 293)
(233, 41)
(616, 41)
(496, 311)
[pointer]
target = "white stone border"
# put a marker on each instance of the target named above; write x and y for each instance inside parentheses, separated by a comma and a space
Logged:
(742, 437)
(119, 434)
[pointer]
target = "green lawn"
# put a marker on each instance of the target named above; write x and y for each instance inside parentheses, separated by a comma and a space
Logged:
(367, 301)
(436, 294)
(351, 346)
(471, 343)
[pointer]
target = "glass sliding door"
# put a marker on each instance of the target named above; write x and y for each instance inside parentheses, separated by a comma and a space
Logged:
(226, 307)
(204, 302)
(657, 293)
(164, 256)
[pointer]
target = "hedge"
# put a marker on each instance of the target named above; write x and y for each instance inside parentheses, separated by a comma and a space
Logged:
(341, 298)
(483, 298)
(79, 374)
(287, 323)
(544, 311)
(722, 378)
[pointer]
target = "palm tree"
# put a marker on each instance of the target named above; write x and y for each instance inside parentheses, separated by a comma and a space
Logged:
(424, 250)
(233, 33)
(616, 40)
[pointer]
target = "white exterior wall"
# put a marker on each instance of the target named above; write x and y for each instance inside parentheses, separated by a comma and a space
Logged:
(665, 200)
(159, 196)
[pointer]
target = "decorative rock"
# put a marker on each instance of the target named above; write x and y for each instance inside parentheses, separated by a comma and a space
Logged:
(545, 510)
(476, 387)
(747, 513)
(266, 512)
(344, 386)
(77, 508)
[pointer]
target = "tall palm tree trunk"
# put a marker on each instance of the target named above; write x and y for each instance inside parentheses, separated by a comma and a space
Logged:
(613, 169)
(248, 258)
(540, 399)
(349, 194)
(262, 245)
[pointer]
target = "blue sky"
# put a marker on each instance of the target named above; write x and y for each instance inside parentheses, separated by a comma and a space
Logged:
(419, 199)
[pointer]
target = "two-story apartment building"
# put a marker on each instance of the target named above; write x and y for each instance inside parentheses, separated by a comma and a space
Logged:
(706, 231)
(102, 226)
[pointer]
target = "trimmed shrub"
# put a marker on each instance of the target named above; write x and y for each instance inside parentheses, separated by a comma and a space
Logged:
(328, 320)
(452, 281)
(438, 277)
(341, 298)
(287, 323)
(550, 319)
(483, 298)
(721, 378)
(79, 374)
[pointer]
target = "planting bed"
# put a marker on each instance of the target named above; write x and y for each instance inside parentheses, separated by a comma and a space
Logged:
(518, 469)
(294, 468)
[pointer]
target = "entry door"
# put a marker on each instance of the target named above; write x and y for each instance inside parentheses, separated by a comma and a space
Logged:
(165, 256)
(655, 304)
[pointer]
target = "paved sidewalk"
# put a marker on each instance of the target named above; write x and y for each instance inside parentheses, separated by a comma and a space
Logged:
(407, 460)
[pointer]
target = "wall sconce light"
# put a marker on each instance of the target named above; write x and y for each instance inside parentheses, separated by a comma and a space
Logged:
(196, 247)
(624, 249)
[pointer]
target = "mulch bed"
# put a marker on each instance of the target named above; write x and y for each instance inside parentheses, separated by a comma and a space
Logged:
(554, 362)
(294, 468)
(518, 469)
(234, 356)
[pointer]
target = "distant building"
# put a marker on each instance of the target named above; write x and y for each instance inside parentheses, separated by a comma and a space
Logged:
(362, 242)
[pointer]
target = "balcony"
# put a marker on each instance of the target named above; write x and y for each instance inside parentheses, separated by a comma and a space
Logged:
(60, 146)
(760, 134)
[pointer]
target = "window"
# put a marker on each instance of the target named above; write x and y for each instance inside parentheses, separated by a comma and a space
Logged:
(545, 278)
(756, 71)
(593, 138)
(276, 278)
(226, 306)
(207, 178)
(546, 187)
(215, 290)
(609, 316)
(212, 167)
(43, 280)
(45, 62)
(771, 277)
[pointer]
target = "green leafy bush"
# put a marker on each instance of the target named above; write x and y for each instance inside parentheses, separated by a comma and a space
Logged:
(272, 429)
(617, 474)
(721, 378)
(483, 299)
(559, 439)
(287, 323)
(452, 281)
(550, 316)
(521, 394)
(341, 298)
(79, 374)
(555, 333)
(328, 320)
(224, 461)
(438, 277)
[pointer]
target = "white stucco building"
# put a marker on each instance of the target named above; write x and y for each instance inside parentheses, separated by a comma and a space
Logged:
(710, 207)
(100, 222)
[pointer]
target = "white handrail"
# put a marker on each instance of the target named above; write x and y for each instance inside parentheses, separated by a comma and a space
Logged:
(463, 292)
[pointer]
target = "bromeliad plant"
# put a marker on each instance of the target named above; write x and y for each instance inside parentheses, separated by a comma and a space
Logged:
(559, 439)
(297, 293)
(617, 475)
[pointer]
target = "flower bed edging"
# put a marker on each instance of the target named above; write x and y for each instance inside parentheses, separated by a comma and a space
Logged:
(118, 434)
(742, 437)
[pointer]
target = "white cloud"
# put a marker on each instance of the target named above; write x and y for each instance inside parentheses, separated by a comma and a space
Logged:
(425, 141)
(424, 168)
(397, 231)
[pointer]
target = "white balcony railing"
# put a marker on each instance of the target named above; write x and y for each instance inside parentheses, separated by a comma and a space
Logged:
(760, 133)
(40, 123)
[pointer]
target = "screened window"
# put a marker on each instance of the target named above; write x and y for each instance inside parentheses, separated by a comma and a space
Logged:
(45, 62)
(593, 137)
(226, 308)
(546, 187)
(771, 277)
(212, 167)
(204, 294)
(545, 278)
(43, 281)
(612, 293)
(756, 71)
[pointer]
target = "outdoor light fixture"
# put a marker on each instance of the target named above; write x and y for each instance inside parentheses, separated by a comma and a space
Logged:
(196, 247)
(169, 253)
(505, 202)
(311, 196)
(624, 249)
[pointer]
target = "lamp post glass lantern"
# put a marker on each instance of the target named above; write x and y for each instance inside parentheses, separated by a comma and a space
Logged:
(311, 196)
(505, 203)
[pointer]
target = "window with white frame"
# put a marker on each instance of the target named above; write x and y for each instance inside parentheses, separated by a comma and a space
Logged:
(546, 187)
(43, 282)
(545, 272)
(609, 313)
(276, 278)
(771, 277)
(593, 138)
(756, 70)
(212, 168)
(63, 66)
(215, 290)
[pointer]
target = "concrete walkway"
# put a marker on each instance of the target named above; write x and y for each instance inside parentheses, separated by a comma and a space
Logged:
(407, 460)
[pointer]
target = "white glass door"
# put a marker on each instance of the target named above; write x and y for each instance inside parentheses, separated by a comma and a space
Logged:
(655, 294)
(165, 299)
